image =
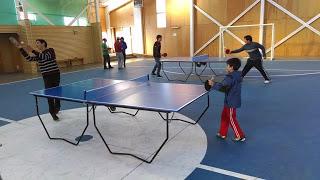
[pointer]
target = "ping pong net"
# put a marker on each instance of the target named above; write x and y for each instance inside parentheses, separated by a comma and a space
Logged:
(119, 89)
(200, 58)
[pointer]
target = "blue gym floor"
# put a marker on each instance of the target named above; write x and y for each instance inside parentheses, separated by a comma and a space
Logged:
(280, 119)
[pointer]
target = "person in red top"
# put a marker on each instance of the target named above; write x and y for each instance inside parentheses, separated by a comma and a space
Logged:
(119, 54)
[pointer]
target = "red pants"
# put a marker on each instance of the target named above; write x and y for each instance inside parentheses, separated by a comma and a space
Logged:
(229, 116)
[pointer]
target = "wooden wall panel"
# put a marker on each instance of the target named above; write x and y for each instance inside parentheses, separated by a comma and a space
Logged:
(122, 17)
(68, 42)
(175, 40)
(10, 60)
(304, 43)
(9, 29)
(102, 13)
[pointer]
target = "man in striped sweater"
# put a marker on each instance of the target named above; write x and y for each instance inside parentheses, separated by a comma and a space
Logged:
(46, 59)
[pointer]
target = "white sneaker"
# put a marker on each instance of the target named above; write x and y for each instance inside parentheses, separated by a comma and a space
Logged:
(267, 81)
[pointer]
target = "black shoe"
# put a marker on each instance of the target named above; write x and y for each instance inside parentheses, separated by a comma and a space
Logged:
(153, 73)
(241, 139)
(105, 68)
(159, 76)
(55, 117)
(110, 67)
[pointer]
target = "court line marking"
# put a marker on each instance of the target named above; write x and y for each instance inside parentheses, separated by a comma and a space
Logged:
(40, 76)
(276, 75)
(174, 67)
(302, 70)
(7, 120)
(149, 157)
(228, 173)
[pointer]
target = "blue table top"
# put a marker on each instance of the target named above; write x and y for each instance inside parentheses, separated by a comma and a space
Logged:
(75, 91)
(135, 94)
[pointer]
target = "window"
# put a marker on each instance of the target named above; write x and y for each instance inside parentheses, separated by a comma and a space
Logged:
(80, 22)
(67, 21)
(31, 16)
(161, 13)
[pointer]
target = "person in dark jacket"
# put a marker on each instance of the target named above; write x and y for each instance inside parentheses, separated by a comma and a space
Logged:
(46, 59)
(232, 100)
(157, 56)
(119, 54)
(255, 58)
(124, 47)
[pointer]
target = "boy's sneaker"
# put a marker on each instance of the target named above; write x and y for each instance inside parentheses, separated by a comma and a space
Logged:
(153, 73)
(267, 81)
(241, 139)
(220, 136)
(159, 76)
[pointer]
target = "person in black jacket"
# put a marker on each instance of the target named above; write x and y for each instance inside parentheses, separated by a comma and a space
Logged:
(124, 47)
(157, 56)
(255, 58)
(46, 59)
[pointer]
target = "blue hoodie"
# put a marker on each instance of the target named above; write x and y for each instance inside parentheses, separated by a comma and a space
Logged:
(232, 82)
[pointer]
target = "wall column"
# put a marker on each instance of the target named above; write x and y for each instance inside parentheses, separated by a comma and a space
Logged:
(137, 39)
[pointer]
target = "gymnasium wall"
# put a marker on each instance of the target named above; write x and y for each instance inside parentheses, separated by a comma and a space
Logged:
(102, 15)
(305, 44)
(176, 36)
(10, 60)
(121, 18)
(68, 42)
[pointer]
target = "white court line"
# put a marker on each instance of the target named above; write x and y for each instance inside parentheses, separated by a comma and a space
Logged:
(180, 73)
(228, 173)
(288, 75)
(7, 120)
(277, 75)
(176, 67)
(112, 63)
(40, 77)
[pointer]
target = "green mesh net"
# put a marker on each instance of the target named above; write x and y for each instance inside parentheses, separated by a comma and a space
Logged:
(58, 12)
(8, 12)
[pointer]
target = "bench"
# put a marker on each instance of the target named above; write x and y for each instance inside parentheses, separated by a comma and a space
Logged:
(70, 62)
(64, 62)
(76, 61)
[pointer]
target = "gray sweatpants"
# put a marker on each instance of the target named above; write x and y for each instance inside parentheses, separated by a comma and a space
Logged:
(120, 59)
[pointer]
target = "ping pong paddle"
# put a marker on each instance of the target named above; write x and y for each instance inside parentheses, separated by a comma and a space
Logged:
(227, 51)
(15, 42)
(164, 54)
(207, 86)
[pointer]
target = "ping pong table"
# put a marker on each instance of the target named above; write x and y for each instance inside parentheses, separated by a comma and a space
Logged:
(138, 94)
(196, 62)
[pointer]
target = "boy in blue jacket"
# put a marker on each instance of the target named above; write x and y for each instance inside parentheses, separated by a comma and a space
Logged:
(232, 87)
